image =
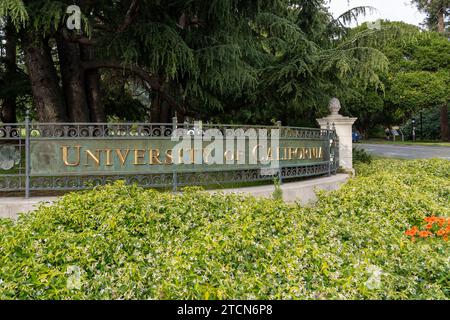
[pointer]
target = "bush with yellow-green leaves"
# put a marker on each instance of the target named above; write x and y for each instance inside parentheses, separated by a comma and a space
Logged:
(123, 242)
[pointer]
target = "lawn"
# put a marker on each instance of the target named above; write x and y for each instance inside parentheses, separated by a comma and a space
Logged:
(408, 143)
(123, 242)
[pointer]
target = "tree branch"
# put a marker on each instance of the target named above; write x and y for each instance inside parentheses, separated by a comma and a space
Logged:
(138, 71)
(130, 16)
(150, 80)
(79, 39)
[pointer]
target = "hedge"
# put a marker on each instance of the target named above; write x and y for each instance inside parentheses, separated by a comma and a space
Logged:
(123, 242)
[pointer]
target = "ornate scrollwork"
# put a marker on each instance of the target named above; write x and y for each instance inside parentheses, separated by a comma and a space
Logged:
(12, 182)
(10, 131)
(9, 156)
(106, 130)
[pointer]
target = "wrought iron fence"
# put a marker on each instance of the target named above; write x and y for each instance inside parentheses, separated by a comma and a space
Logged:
(19, 173)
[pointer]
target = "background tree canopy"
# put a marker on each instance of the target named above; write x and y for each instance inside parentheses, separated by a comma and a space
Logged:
(229, 60)
(438, 17)
(417, 80)
(224, 61)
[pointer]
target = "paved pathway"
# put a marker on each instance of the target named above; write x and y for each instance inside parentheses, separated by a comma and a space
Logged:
(406, 152)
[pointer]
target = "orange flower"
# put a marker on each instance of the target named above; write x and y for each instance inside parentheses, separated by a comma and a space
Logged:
(428, 229)
(424, 234)
(412, 232)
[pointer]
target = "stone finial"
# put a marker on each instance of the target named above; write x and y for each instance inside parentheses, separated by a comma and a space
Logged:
(334, 106)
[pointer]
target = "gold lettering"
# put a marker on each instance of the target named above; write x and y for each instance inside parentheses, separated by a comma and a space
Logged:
(307, 153)
(139, 156)
(192, 155)
(206, 155)
(285, 154)
(71, 158)
(65, 156)
(108, 157)
(300, 153)
(180, 156)
(95, 157)
(256, 153)
(227, 157)
(169, 157)
(292, 153)
(269, 154)
(154, 156)
(239, 154)
(195, 153)
(122, 157)
(184, 156)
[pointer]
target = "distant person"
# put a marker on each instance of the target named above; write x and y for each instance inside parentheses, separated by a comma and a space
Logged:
(387, 132)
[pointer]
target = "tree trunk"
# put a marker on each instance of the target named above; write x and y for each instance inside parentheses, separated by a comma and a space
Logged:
(441, 20)
(173, 89)
(8, 114)
(164, 115)
(73, 81)
(155, 108)
(47, 96)
(445, 132)
(93, 87)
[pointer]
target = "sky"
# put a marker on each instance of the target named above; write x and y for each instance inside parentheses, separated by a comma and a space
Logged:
(393, 10)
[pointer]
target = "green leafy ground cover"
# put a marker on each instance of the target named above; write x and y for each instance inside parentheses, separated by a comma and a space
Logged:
(125, 242)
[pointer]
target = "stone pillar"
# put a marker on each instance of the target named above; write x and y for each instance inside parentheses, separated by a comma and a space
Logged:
(343, 126)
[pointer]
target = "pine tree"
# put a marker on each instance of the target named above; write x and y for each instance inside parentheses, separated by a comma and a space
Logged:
(252, 60)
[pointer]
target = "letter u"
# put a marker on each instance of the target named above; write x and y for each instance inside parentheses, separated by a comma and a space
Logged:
(65, 156)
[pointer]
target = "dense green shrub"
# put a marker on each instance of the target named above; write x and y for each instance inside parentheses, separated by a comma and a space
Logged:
(431, 125)
(278, 192)
(360, 155)
(124, 242)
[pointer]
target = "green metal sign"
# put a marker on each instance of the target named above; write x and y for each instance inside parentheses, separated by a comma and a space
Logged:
(75, 156)
(162, 155)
